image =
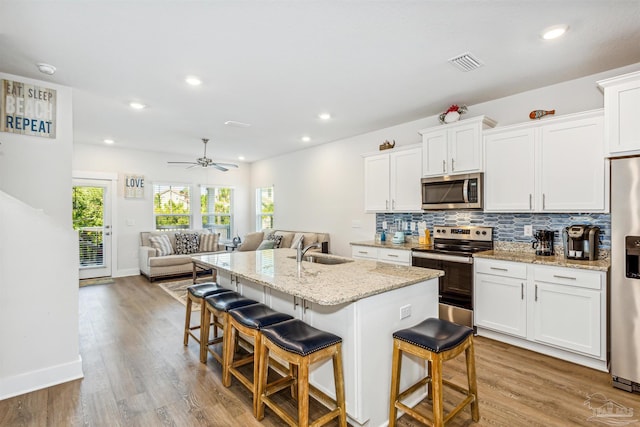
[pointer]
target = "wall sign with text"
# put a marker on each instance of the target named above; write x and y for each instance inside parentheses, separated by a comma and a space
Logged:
(28, 109)
(134, 186)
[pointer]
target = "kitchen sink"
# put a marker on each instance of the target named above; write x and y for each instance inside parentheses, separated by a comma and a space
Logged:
(323, 260)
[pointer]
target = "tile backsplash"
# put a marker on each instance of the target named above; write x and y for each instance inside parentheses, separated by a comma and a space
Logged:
(507, 227)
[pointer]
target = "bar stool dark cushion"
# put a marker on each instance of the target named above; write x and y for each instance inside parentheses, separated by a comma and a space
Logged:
(228, 300)
(258, 316)
(203, 290)
(435, 335)
(297, 337)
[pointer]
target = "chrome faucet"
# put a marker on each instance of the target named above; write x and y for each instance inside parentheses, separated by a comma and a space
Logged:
(302, 251)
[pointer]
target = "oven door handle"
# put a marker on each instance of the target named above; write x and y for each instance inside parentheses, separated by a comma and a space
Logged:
(443, 257)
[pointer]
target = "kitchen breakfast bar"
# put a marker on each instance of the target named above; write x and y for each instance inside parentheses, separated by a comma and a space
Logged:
(361, 301)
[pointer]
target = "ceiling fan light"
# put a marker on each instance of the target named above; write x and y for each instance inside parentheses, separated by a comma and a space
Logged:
(554, 32)
(193, 81)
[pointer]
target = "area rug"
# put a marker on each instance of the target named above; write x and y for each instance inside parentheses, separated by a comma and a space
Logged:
(178, 290)
(98, 281)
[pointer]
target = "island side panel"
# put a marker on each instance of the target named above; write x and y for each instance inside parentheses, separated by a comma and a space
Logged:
(367, 327)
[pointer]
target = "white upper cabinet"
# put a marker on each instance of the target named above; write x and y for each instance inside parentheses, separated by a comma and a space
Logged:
(621, 109)
(392, 181)
(454, 148)
(555, 165)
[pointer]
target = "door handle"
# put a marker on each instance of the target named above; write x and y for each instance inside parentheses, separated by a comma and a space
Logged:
(295, 303)
(521, 290)
(453, 165)
(543, 201)
(536, 293)
(386, 204)
(393, 204)
(444, 165)
(107, 234)
(530, 201)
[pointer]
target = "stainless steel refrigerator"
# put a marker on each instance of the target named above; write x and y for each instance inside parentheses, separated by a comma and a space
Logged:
(624, 304)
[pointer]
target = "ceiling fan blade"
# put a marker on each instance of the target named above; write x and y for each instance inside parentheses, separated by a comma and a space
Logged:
(182, 163)
(228, 165)
(217, 166)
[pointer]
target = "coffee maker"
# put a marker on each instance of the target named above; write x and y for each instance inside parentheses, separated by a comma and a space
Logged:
(543, 243)
(581, 242)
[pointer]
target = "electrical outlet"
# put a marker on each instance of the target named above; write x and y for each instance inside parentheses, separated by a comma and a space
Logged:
(384, 225)
(528, 230)
(412, 226)
(405, 311)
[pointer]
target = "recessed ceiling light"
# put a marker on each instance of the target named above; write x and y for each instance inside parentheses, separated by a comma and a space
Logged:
(193, 81)
(137, 105)
(306, 139)
(240, 157)
(46, 68)
(324, 116)
(554, 32)
(109, 141)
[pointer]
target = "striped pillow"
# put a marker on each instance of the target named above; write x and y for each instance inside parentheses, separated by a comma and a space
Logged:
(209, 242)
(162, 244)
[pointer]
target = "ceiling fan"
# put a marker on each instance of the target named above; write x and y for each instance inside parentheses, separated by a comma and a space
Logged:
(205, 161)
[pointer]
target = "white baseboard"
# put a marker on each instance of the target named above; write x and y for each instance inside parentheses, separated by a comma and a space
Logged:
(42, 378)
(126, 272)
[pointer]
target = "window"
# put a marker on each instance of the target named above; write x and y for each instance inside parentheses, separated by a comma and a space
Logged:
(264, 208)
(171, 206)
(216, 206)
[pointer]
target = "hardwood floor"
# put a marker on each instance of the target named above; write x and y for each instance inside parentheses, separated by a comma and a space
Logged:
(138, 373)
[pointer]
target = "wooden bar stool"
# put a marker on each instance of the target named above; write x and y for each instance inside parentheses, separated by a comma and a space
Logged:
(436, 341)
(216, 311)
(197, 293)
(300, 345)
(247, 321)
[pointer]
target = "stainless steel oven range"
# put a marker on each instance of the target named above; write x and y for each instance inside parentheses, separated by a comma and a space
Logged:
(452, 252)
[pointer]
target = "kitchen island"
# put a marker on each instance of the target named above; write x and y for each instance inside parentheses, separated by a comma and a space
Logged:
(362, 301)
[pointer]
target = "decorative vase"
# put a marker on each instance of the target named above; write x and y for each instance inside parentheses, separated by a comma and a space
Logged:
(451, 116)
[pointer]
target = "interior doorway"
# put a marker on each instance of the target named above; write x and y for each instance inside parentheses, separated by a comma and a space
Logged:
(91, 212)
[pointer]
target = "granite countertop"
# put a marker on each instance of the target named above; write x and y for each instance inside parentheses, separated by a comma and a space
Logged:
(318, 283)
(555, 260)
(407, 245)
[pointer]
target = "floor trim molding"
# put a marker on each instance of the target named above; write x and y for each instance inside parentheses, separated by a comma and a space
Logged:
(42, 378)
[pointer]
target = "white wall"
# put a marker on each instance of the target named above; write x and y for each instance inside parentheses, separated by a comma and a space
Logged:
(135, 215)
(38, 257)
(321, 188)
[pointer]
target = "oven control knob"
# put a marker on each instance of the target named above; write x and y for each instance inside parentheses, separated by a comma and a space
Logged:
(484, 233)
(477, 232)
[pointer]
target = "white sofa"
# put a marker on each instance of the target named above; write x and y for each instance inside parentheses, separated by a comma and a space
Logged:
(154, 266)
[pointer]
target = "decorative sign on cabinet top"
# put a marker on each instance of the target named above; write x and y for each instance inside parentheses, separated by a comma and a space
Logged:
(28, 109)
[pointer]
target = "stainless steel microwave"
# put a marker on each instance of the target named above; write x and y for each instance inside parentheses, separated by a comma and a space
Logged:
(452, 192)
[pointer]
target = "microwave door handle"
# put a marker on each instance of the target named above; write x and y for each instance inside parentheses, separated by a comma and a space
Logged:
(465, 191)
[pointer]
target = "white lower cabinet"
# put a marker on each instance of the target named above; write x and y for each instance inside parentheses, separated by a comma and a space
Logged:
(500, 299)
(391, 255)
(553, 310)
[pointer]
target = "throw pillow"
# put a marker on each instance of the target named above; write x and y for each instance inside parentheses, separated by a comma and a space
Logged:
(209, 242)
(251, 241)
(277, 239)
(187, 243)
(266, 244)
(162, 244)
(297, 238)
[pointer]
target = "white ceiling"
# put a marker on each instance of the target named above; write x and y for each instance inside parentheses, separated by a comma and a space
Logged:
(278, 64)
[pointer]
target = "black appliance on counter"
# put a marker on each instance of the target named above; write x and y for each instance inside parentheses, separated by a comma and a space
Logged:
(452, 252)
(543, 243)
(581, 242)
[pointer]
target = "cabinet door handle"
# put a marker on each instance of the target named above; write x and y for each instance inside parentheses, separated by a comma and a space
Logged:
(444, 165)
(565, 277)
(453, 165)
(536, 293)
(363, 252)
(304, 306)
(521, 290)
(386, 204)
(392, 256)
(530, 201)
(543, 201)
(393, 204)
(295, 302)
(499, 268)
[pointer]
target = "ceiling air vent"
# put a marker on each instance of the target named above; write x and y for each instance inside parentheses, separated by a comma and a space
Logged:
(465, 62)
